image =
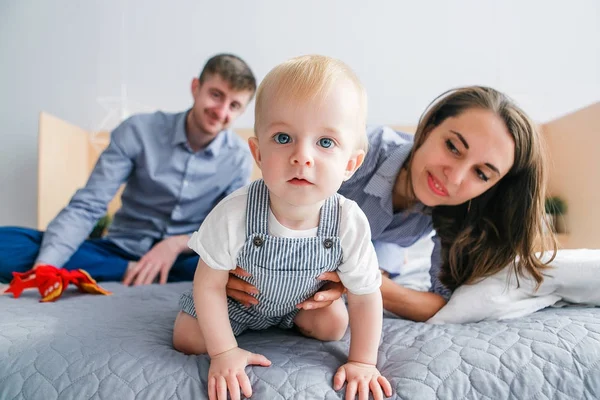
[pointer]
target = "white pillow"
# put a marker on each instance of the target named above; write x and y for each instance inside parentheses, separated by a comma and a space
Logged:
(574, 278)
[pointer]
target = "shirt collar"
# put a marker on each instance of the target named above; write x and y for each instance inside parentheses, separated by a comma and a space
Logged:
(220, 142)
(179, 135)
(382, 182)
(223, 139)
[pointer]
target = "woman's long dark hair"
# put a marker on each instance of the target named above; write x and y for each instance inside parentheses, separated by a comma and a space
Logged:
(503, 227)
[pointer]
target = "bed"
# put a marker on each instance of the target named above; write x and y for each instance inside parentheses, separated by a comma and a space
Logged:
(119, 347)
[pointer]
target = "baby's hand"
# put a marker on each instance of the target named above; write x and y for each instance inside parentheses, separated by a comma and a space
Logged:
(227, 373)
(361, 378)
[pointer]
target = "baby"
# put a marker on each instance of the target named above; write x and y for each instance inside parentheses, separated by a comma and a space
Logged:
(287, 229)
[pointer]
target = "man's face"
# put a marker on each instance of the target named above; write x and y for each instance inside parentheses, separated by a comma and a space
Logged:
(216, 106)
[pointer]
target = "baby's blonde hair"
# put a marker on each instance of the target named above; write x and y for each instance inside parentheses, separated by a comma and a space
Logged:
(309, 78)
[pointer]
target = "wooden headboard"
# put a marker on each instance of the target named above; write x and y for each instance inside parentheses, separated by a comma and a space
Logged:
(68, 153)
(573, 142)
(66, 156)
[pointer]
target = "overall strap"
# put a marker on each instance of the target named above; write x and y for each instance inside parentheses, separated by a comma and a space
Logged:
(329, 219)
(257, 208)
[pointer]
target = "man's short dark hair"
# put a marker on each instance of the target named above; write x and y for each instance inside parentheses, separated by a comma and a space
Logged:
(232, 69)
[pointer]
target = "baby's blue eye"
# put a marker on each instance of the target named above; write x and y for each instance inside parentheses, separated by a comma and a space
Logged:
(282, 138)
(326, 143)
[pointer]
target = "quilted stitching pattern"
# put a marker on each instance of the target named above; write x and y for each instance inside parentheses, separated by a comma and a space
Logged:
(119, 347)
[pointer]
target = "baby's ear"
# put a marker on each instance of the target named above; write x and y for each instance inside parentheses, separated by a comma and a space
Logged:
(354, 163)
(253, 144)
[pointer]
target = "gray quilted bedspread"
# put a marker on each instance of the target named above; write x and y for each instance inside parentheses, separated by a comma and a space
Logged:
(119, 347)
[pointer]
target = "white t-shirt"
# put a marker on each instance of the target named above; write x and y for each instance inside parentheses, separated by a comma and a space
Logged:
(223, 234)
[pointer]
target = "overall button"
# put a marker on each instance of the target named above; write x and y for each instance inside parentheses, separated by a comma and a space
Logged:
(328, 243)
(257, 241)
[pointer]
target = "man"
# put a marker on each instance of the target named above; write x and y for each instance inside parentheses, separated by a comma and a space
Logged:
(176, 168)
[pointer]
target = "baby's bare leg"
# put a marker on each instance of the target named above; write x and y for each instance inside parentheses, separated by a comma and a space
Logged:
(187, 336)
(329, 323)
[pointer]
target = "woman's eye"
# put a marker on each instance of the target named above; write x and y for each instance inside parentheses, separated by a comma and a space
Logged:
(282, 138)
(451, 146)
(326, 143)
(482, 176)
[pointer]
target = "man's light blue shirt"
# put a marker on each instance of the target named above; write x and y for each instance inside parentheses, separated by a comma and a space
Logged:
(169, 190)
(372, 186)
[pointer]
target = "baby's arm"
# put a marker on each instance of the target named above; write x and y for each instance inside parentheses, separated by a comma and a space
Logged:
(366, 319)
(228, 361)
(359, 272)
(366, 314)
(210, 301)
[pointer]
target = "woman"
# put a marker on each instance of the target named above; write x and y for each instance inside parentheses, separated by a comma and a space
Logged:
(475, 173)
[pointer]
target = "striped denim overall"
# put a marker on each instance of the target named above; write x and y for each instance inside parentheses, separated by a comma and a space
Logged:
(284, 270)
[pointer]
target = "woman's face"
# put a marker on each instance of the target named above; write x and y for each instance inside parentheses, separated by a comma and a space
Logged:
(461, 158)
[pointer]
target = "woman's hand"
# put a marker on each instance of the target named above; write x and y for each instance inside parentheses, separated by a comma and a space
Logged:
(329, 293)
(241, 290)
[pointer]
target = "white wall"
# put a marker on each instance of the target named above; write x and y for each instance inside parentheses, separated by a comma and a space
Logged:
(61, 55)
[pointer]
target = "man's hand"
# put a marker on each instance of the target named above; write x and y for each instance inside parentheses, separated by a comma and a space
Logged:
(37, 264)
(239, 289)
(329, 293)
(159, 260)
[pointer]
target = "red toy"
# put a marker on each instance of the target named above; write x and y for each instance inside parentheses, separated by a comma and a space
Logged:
(52, 282)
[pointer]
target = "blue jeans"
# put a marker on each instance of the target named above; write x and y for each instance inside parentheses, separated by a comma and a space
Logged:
(101, 258)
